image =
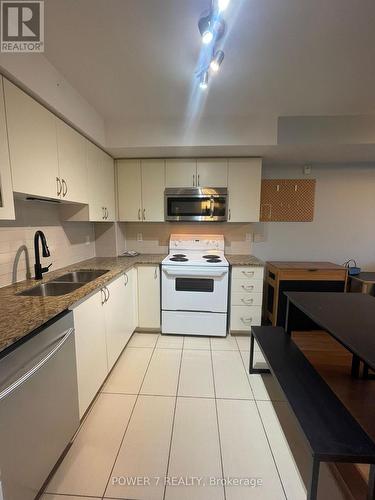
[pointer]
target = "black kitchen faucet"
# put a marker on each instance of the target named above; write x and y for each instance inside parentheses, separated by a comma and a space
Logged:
(39, 270)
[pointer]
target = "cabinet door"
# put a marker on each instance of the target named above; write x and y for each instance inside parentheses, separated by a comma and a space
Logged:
(6, 189)
(148, 297)
(131, 297)
(96, 209)
(91, 352)
(180, 173)
(244, 184)
(32, 144)
(72, 163)
(212, 173)
(108, 186)
(129, 183)
(153, 184)
(117, 320)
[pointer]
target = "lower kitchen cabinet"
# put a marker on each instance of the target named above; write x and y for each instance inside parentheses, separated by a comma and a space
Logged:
(103, 323)
(246, 298)
(149, 297)
(91, 349)
(120, 321)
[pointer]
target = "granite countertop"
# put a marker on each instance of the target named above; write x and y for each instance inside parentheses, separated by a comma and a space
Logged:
(244, 260)
(20, 315)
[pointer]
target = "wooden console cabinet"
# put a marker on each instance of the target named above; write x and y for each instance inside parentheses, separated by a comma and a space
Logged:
(299, 277)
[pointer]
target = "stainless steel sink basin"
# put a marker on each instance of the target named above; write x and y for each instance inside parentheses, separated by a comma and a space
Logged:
(51, 289)
(81, 276)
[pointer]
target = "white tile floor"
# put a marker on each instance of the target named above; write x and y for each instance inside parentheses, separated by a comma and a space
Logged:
(176, 419)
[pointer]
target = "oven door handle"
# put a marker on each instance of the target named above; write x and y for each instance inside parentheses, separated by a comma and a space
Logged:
(213, 273)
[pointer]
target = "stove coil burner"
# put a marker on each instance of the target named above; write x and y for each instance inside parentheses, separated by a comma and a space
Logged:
(179, 259)
(179, 255)
(211, 256)
(214, 260)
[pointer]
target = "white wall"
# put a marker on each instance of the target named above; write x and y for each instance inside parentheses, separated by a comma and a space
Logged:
(344, 222)
(36, 75)
(69, 242)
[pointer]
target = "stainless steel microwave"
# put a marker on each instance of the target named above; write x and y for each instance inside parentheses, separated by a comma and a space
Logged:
(196, 204)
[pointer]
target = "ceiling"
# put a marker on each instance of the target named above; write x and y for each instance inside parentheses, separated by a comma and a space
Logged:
(134, 61)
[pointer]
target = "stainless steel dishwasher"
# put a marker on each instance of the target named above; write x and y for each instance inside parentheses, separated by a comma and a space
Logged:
(38, 408)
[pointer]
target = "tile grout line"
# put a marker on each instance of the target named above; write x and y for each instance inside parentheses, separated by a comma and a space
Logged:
(264, 430)
(173, 419)
(127, 425)
(217, 422)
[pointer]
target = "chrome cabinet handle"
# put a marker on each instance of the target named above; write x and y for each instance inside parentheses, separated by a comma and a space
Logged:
(139, 214)
(156, 273)
(247, 301)
(8, 390)
(248, 287)
(126, 278)
(198, 183)
(144, 214)
(248, 273)
(108, 294)
(59, 186)
(193, 179)
(106, 212)
(229, 215)
(64, 188)
(247, 321)
(103, 213)
(102, 292)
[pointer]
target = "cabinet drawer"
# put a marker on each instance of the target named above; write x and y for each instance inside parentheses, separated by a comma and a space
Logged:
(246, 286)
(247, 273)
(244, 317)
(246, 299)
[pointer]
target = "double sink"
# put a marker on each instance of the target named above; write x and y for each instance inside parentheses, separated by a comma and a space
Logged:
(64, 284)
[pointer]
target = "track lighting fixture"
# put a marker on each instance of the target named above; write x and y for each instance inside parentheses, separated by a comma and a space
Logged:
(203, 84)
(222, 5)
(217, 60)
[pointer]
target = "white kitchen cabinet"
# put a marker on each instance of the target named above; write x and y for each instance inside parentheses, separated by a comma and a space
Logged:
(118, 312)
(141, 190)
(212, 172)
(108, 185)
(101, 185)
(129, 184)
(72, 163)
(153, 184)
(6, 189)
(244, 185)
(91, 349)
(246, 298)
(32, 144)
(149, 297)
(180, 173)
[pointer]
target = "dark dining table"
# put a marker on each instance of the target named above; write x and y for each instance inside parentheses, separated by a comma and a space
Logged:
(348, 317)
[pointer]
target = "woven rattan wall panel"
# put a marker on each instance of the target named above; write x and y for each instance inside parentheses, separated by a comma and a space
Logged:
(287, 200)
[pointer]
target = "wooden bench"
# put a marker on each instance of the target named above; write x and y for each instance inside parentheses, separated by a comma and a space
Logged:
(332, 433)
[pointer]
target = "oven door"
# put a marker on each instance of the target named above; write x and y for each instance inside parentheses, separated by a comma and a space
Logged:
(196, 204)
(194, 289)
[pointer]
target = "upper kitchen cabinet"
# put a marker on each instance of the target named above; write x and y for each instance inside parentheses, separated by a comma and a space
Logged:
(180, 173)
(244, 184)
(193, 173)
(6, 189)
(212, 173)
(32, 144)
(153, 184)
(141, 186)
(101, 184)
(72, 163)
(129, 185)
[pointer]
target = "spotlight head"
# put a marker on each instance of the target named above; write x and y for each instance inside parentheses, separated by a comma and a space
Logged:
(203, 84)
(217, 60)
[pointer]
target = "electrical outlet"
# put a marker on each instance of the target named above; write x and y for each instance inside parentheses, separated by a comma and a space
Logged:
(139, 237)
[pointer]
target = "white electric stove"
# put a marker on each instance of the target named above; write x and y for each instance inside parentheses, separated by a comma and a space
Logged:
(195, 280)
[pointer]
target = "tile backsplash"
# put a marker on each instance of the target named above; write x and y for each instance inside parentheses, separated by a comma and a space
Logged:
(155, 236)
(69, 242)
